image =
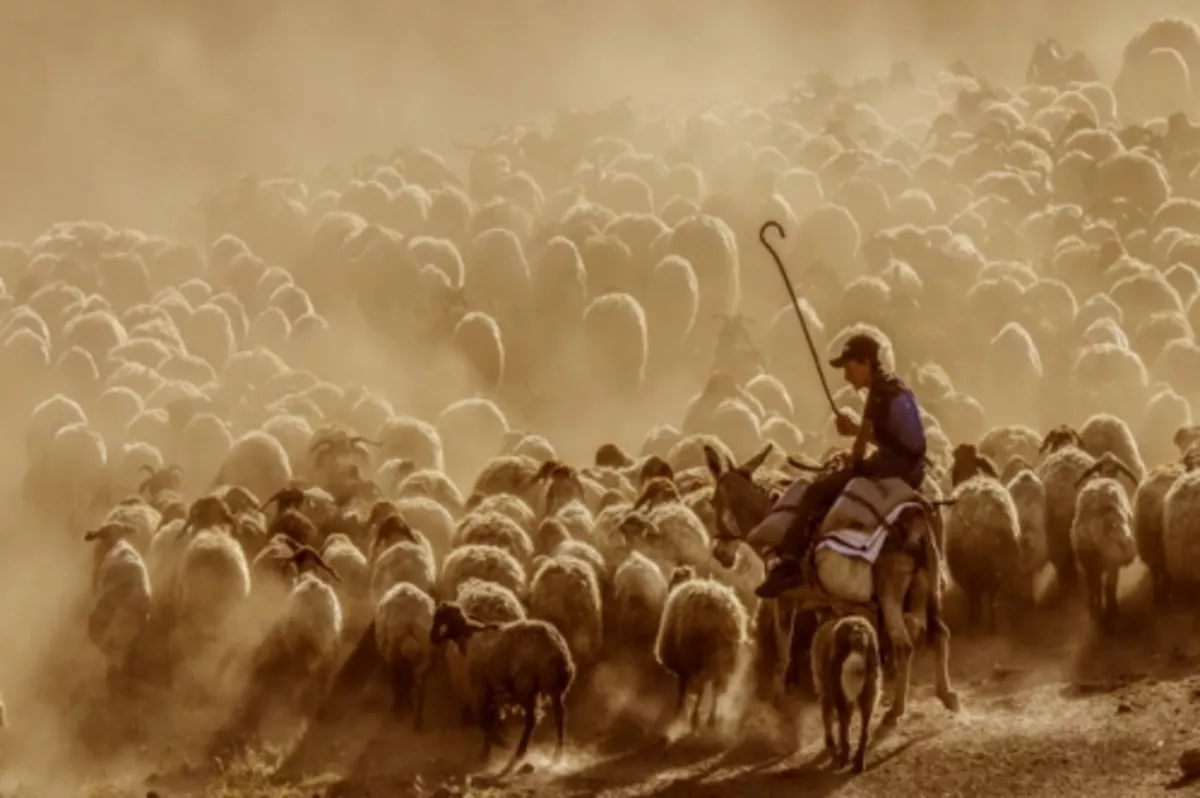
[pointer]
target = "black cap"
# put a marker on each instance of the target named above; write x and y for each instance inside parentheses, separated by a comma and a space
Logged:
(857, 347)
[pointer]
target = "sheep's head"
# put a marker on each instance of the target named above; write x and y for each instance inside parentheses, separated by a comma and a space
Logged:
(295, 525)
(635, 526)
(609, 455)
(1058, 437)
(739, 504)
(330, 443)
(207, 512)
(968, 463)
(450, 623)
(169, 478)
(390, 529)
(549, 535)
(658, 490)
(1186, 437)
(379, 511)
(108, 534)
(1013, 467)
(1108, 466)
(240, 500)
(284, 499)
(1191, 458)
(563, 484)
(171, 511)
(682, 574)
(307, 560)
(654, 467)
(611, 498)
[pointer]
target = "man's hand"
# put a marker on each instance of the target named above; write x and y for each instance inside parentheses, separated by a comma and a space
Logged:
(846, 425)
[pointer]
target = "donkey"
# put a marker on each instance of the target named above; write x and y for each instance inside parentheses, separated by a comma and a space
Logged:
(908, 586)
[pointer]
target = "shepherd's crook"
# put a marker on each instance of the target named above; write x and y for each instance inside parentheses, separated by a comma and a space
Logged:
(787, 281)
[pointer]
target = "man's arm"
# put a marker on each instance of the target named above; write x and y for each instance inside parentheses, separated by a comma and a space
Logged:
(859, 450)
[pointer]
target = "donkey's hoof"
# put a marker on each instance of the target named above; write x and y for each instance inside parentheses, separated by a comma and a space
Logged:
(951, 701)
(891, 718)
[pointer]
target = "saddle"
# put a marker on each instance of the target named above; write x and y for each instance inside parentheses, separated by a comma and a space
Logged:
(853, 535)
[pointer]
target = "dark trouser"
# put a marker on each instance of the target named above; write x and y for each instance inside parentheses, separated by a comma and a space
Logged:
(815, 502)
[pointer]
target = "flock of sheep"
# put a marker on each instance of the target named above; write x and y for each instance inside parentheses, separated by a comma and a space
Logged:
(519, 500)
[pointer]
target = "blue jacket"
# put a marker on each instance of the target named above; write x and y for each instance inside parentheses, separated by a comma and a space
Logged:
(899, 433)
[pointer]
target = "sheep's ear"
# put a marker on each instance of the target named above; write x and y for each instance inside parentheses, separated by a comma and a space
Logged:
(1046, 442)
(713, 460)
(756, 461)
(803, 465)
(90, 535)
(985, 464)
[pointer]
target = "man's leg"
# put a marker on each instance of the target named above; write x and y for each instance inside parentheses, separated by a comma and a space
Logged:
(788, 573)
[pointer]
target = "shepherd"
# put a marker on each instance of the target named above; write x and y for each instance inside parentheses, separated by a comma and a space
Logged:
(891, 420)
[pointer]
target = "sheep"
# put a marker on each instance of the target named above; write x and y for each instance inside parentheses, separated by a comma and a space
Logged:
(846, 673)
(212, 580)
(481, 562)
(1102, 534)
(297, 654)
(639, 593)
(566, 593)
(702, 639)
(1106, 433)
(398, 556)
(1149, 524)
(121, 598)
(1060, 472)
(513, 663)
(403, 628)
(983, 545)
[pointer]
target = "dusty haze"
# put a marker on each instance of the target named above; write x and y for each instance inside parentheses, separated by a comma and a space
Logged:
(125, 110)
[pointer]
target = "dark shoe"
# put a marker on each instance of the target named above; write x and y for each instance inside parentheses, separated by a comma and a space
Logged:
(786, 575)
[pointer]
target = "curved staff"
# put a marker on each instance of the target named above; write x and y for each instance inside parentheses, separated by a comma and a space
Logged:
(787, 281)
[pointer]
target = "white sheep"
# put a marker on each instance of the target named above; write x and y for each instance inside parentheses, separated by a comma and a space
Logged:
(566, 593)
(121, 598)
(1102, 534)
(702, 639)
(403, 624)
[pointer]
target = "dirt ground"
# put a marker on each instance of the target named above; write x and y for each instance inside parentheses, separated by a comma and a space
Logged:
(1049, 708)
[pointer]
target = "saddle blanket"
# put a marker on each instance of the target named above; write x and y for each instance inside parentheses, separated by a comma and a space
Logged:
(861, 545)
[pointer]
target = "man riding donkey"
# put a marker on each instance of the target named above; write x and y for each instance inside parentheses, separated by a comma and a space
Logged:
(860, 538)
(891, 420)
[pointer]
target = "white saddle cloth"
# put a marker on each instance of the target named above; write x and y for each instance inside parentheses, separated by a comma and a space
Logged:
(861, 545)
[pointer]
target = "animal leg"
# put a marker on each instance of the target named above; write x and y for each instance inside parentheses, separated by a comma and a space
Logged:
(530, 709)
(903, 646)
(845, 714)
(681, 702)
(973, 610)
(1111, 580)
(1092, 585)
(941, 673)
(717, 688)
(705, 687)
(419, 703)
(560, 724)
(488, 720)
(866, 707)
(827, 719)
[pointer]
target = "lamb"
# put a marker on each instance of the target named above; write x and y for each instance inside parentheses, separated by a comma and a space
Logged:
(403, 628)
(121, 598)
(702, 639)
(512, 663)
(845, 671)
(1102, 534)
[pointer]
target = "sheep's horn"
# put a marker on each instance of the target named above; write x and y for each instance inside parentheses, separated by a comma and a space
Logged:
(274, 499)
(357, 439)
(149, 469)
(320, 561)
(1086, 475)
(1126, 470)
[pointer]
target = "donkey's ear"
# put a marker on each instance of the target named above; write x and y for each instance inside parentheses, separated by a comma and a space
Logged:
(714, 461)
(756, 461)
